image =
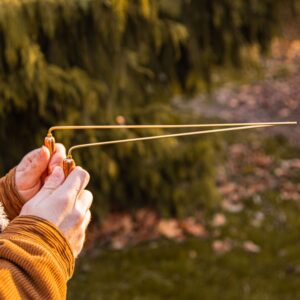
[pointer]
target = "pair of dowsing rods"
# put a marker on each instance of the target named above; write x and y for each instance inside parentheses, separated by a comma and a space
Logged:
(69, 163)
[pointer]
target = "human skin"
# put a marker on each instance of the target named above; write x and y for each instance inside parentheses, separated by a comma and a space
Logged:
(65, 203)
(40, 181)
(35, 167)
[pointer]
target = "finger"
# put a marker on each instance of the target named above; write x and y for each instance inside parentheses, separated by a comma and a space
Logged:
(58, 157)
(31, 167)
(53, 182)
(84, 201)
(87, 220)
(84, 225)
(75, 183)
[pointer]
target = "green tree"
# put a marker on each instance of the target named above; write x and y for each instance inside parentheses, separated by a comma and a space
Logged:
(87, 61)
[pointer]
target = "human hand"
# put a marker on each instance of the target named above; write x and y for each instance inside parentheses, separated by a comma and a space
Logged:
(34, 167)
(64, 203)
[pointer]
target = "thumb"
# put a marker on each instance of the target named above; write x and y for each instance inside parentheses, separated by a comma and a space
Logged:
(54, 180)
(31, 167)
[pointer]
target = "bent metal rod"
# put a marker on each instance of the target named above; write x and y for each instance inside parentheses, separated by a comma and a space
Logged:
(69, 163)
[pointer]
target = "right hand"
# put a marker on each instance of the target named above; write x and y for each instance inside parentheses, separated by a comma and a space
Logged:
(65, 203)
(32, 169)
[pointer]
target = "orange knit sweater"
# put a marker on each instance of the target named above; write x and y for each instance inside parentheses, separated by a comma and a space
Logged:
(36, 260)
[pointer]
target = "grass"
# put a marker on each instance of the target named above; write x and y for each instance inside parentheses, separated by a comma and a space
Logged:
(191, 269)
(279, 147)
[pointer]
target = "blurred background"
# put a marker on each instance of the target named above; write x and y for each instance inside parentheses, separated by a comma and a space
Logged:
(210, 217)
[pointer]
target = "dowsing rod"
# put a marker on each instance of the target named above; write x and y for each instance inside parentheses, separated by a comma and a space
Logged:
(69, 163)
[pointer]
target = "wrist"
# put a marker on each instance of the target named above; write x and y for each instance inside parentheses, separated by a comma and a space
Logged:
(44, 234)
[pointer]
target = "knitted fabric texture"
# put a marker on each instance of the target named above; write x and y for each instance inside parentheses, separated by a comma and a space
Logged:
(9, 197)
(36, 261)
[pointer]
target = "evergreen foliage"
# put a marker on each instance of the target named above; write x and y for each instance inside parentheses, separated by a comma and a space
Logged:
(86, 61)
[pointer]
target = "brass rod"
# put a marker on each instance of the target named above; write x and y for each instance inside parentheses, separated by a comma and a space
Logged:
(78, 127)
(165, 136)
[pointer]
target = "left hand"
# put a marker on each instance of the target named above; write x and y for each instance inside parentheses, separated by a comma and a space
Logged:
(34, 168)
(64, 203)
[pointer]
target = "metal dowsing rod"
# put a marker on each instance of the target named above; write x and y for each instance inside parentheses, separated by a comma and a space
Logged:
(69, 163)
(85, 127)
(49, 141)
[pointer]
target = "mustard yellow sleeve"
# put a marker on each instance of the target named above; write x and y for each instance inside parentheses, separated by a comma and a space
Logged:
(9, 197)
(36, 261)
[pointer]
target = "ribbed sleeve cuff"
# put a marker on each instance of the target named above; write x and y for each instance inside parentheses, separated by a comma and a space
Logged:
(9, 196)
(42, 232)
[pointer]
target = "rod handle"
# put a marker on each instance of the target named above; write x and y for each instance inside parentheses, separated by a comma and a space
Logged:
(49, 142)
(68, 166)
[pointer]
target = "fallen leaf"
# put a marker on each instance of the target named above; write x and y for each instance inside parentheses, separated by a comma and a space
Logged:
(146, 218)
(118, 242)
(190, 226)
(228, 188)
(232, 207)
(249, 246)
(222, 246)
(169, 229)
(219, 220)
(117, 222)
(261, 159)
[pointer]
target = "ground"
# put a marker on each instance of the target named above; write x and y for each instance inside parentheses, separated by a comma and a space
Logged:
(251, 252)
(192, 270)
(246, 248)
(273, 97)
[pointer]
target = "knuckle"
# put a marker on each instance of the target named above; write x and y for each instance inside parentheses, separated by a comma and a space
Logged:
(77, 170)
(76, 190)
(54, 179)
(64, 199)
(55, 175)
(34, 164)
(64, 203)
(80, 174)
(78, 216)
(84, 175)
